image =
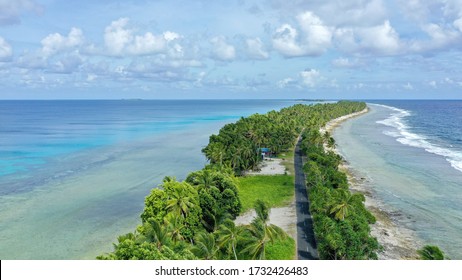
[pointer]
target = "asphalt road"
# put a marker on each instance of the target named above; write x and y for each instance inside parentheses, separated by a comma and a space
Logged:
(306, 243)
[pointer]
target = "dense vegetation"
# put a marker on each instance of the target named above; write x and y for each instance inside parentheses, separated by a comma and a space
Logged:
(236, 144)
(341, 221)
(194, 219)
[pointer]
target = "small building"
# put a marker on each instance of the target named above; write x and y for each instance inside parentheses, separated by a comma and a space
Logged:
(265, 152)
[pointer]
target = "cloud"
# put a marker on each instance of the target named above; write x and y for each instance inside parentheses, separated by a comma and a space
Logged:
(310, 77)
(221, 50)
(121, 40)
(408, 86)
(285, 82)
(11, 10)
(6, 51)
(116, 37)
(440, 39)
(347, 63)
(256, 49)
(55, 43)
(380, 39)
(337, 13)
(312, 39)
(375, 40)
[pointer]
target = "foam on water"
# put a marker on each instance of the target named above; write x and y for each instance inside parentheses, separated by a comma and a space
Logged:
(406, 137)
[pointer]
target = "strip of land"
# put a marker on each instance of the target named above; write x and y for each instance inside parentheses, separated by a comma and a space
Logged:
(397, 242)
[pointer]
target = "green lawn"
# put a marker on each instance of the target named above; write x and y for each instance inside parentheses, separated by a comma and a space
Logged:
(281, 250)
(276, 190)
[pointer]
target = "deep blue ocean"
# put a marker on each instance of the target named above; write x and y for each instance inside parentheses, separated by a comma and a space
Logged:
(74, 174)
(410, 154)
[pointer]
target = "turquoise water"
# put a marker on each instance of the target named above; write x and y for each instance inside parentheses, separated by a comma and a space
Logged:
(410, 153)
(74, 174)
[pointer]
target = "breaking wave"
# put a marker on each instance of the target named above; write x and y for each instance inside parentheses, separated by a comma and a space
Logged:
(406, 137)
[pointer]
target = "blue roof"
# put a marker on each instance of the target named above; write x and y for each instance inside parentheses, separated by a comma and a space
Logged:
(265, 150)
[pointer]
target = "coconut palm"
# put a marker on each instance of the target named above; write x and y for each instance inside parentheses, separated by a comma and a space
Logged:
(156, 233)
(180, 201)
(260, 232)
(344, 204)
(205, 247)
(175, 225)
(229, 234)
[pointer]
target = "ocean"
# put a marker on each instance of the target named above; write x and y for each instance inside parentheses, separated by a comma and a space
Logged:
(410, 154)
(74, 174)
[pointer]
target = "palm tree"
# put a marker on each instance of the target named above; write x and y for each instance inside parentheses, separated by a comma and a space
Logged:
(260, 232)
(175, 225)
(180, 201)
(216, 153)
(205, 246)
(205, 179)
(344, 203)
(156, 233)
(229, 235)
(236, 159)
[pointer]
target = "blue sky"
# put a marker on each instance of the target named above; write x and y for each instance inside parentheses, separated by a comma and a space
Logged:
(57, 49)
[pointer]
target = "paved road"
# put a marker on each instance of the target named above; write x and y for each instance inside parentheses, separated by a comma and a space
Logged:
(306, 243)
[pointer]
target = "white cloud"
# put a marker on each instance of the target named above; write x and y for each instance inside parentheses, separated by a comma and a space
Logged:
(256, 49)
(6, 51)
(408, 86)
(440, 38)
(116, 37)
(170, 36)
(221, 50)
(433, 84)
(67, 64)
(55, 43)
(376, 40)
(310, 78)
(313, 39)
(381, 39)
(121, 40)
(307, 78)
(145, 44)
(285, 41)
(11, 10)
(317, 35)
(347, 63)
(337, 13)
(285, 82)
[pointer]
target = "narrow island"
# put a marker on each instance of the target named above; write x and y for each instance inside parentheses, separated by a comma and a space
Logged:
(228, 210)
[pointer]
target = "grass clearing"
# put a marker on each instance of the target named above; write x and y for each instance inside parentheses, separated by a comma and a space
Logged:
(281, 250)
(276, 190)
(288, 160)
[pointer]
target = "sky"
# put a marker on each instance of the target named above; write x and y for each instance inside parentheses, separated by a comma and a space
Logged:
(187, 49)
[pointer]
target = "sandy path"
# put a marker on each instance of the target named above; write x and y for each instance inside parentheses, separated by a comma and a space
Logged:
(271, 166)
